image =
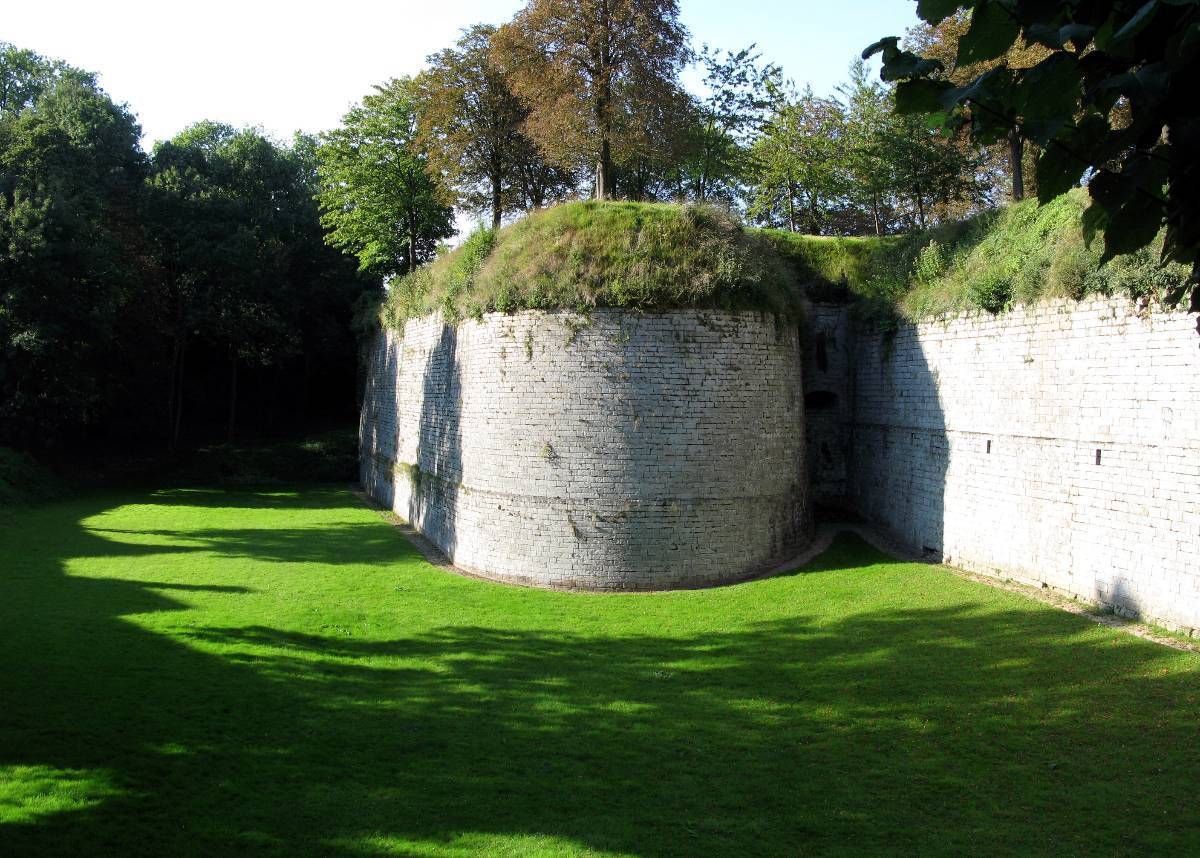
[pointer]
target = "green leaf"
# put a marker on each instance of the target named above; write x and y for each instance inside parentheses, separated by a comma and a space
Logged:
(1053, 36)
(992, 32)
(1058, 170)
(921, 96)
(902, 65)
(1137, 23)
(1182, 46)
(936, 11)
(1132, 225)
(886, 46)
(1051, 89)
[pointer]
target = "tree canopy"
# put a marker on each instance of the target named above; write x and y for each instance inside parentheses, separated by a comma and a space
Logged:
(600, 78)
(1112, 100)
(471, 126)
(70, 174)
(137, 293)
(378, 196)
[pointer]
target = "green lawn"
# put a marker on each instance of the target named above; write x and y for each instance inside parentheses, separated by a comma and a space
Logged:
(203, 672)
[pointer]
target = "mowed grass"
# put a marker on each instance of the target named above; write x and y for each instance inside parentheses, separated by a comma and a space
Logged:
(203, 672)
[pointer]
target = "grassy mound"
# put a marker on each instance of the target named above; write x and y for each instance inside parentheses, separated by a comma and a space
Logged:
(1020, 254)
(581, 255)
(1023, 254)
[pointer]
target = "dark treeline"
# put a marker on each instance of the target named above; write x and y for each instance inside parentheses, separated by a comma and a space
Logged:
(207, 288)
(186, 294)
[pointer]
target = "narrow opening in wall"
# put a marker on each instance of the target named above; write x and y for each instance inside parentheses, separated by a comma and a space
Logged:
(989, 446)
(821, 353)
(818, 400)
(1097, 455)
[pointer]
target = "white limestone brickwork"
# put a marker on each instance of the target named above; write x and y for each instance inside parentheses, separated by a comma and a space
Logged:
(617, 451)
(1058, 444)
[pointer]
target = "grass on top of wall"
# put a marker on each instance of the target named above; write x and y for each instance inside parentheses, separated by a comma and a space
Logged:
(1018, 254)
(582, 255)
(277, 671)
(653, 256)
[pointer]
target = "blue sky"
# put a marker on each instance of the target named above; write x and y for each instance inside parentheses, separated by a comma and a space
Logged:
(294, 65)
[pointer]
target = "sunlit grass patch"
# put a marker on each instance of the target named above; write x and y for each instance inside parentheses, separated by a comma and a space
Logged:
(29, 793)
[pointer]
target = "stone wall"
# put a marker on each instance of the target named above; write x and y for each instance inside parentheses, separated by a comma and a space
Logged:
(617, 451)
(1058, 444)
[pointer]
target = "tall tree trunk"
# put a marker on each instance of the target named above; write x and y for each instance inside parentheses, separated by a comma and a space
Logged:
(233, 395)
(791, 192)
(496, 199)
(875, 213)
(920, 207)
(1016, 155)
(604, 168)
(604, 171)
(178, 421)
(172, 390)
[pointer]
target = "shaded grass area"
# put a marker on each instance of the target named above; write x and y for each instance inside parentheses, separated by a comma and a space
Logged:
(277, 671)
(330, 455)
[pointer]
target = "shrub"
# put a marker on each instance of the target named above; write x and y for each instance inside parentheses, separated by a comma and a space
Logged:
(24, 481)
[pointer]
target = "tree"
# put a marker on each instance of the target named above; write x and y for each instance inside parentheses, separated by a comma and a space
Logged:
(796, 170)
(1113, 99)
(241, 269)
(597, 76)
(737, 104)
(378, 197)
(70, 172)
(899, 168)
(129, 286)
(470, 122)
(24, 75)
(868, 155)
(941, 42)
(206, 209)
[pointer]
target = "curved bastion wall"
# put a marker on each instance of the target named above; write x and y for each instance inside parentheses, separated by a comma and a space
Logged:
(613, 451)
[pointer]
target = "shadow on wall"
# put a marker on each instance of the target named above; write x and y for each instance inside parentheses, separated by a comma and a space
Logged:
(899, 446)
(437, 478)
(378, 428)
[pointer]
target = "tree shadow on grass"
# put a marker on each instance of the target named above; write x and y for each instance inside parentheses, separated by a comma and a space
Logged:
(318, 496)
(358, 543)
(955, 729)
